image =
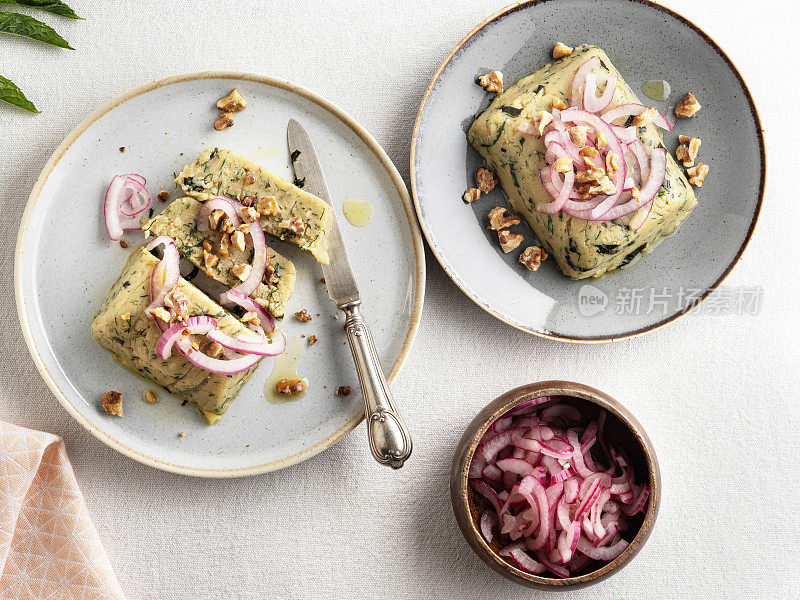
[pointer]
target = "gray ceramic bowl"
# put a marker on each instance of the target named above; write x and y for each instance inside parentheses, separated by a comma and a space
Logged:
(645, 41)
(622, 429)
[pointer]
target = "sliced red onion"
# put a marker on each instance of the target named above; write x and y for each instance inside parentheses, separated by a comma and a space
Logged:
(235, 296)
(580, 79)
(658, 172)
(631, 110)
(166, 273)
(257, 268)
(199, 325)
(218, 202)
(221, 367)
(561, 199)
(488, 522)
(591, 101)
(111, 208)
(525, 562)
(591, 495)
(247, 344)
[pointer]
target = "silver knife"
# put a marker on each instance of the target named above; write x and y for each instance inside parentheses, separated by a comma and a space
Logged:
(389, 438)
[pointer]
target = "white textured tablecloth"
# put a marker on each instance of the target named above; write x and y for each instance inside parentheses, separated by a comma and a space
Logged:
(718, 395)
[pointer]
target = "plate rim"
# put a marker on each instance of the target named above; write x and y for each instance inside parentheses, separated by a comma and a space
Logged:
(373, 146)
(522, 4)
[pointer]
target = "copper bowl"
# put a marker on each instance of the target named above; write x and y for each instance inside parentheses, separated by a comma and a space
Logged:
(622, 429)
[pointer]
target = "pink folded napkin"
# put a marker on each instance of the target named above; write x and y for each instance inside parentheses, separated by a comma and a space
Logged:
(49, 547)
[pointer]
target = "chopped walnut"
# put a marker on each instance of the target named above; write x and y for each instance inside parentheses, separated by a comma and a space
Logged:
(542, 120)
(645, 117)
(124, 244)
(207, 246)
(558, 103)
(509, 241)
(697, 174)
(225, 120)
(163, 195)
(602, 142)
(269, 272)
(612, 163)
(303, 316)
(589, 175)
(248, 200)
(294, 225)
(687, 150)
(687, 107)
(178, 304)
(532, 257)
(492, 82)
(589, 155)
(564, 164)
(250, 179)
(225, 245)
(250, 317)
(343, 390)
(268, 206)
(226, 225)
(150, 397)
(242, 271)
(312, 339)
(210, 260)
(289, 387)
(486, 180)
(500, 218)
(471, 195)
(214, 350)
(112, 403)
(250, 215)
(216, 217)
(161, 313)
(233, 102)
(579, 135)
(238, 241)
(560, 50)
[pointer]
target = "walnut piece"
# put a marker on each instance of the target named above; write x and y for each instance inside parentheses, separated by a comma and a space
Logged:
(215, 218)
(250, 179)
(492, 82)
(580, 135)
(161, 313)
(563, 165)
(560, 50)
(150, 397)
(697, 174)
(269, 272)
(509, 241)
(250, 215)
(486, 180)
(687, 107)
(500, 218)
(687, 150)
(207, 246)
(163, 195)
(612, 163)
(558, 103)
(294, 225)
(242, 271)
(250, 317)
(225, 120)
(178, 304)
(224, 245)
(343, 390)
(532, 257)
(645, 117)
(471, 195)
(214, 350)
(238, 240)
(210, 260)
(542, 120)
(290, 387)
(233, 102)
(268, 206)
(312, 339)
(112, 403)
(303, 316)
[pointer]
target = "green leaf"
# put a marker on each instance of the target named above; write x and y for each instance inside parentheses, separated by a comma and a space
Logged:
(51, 6)
(26, 26)
(10, 93)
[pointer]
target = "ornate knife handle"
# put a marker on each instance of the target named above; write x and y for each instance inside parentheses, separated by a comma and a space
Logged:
(389, 438)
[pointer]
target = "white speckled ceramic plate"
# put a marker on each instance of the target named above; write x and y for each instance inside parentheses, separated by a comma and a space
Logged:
(65, 264)
(645, 41)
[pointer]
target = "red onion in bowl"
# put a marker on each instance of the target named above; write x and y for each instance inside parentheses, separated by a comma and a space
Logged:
(578, 519)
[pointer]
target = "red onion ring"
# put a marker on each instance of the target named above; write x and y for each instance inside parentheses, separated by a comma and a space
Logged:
(251, 345)
(579, 80)
(222, 203)
(591, 101)
(166, 273)
(631, 110)
(199, 325)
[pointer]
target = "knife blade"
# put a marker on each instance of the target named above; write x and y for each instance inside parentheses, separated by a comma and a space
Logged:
(339, 278)
(389, 438)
